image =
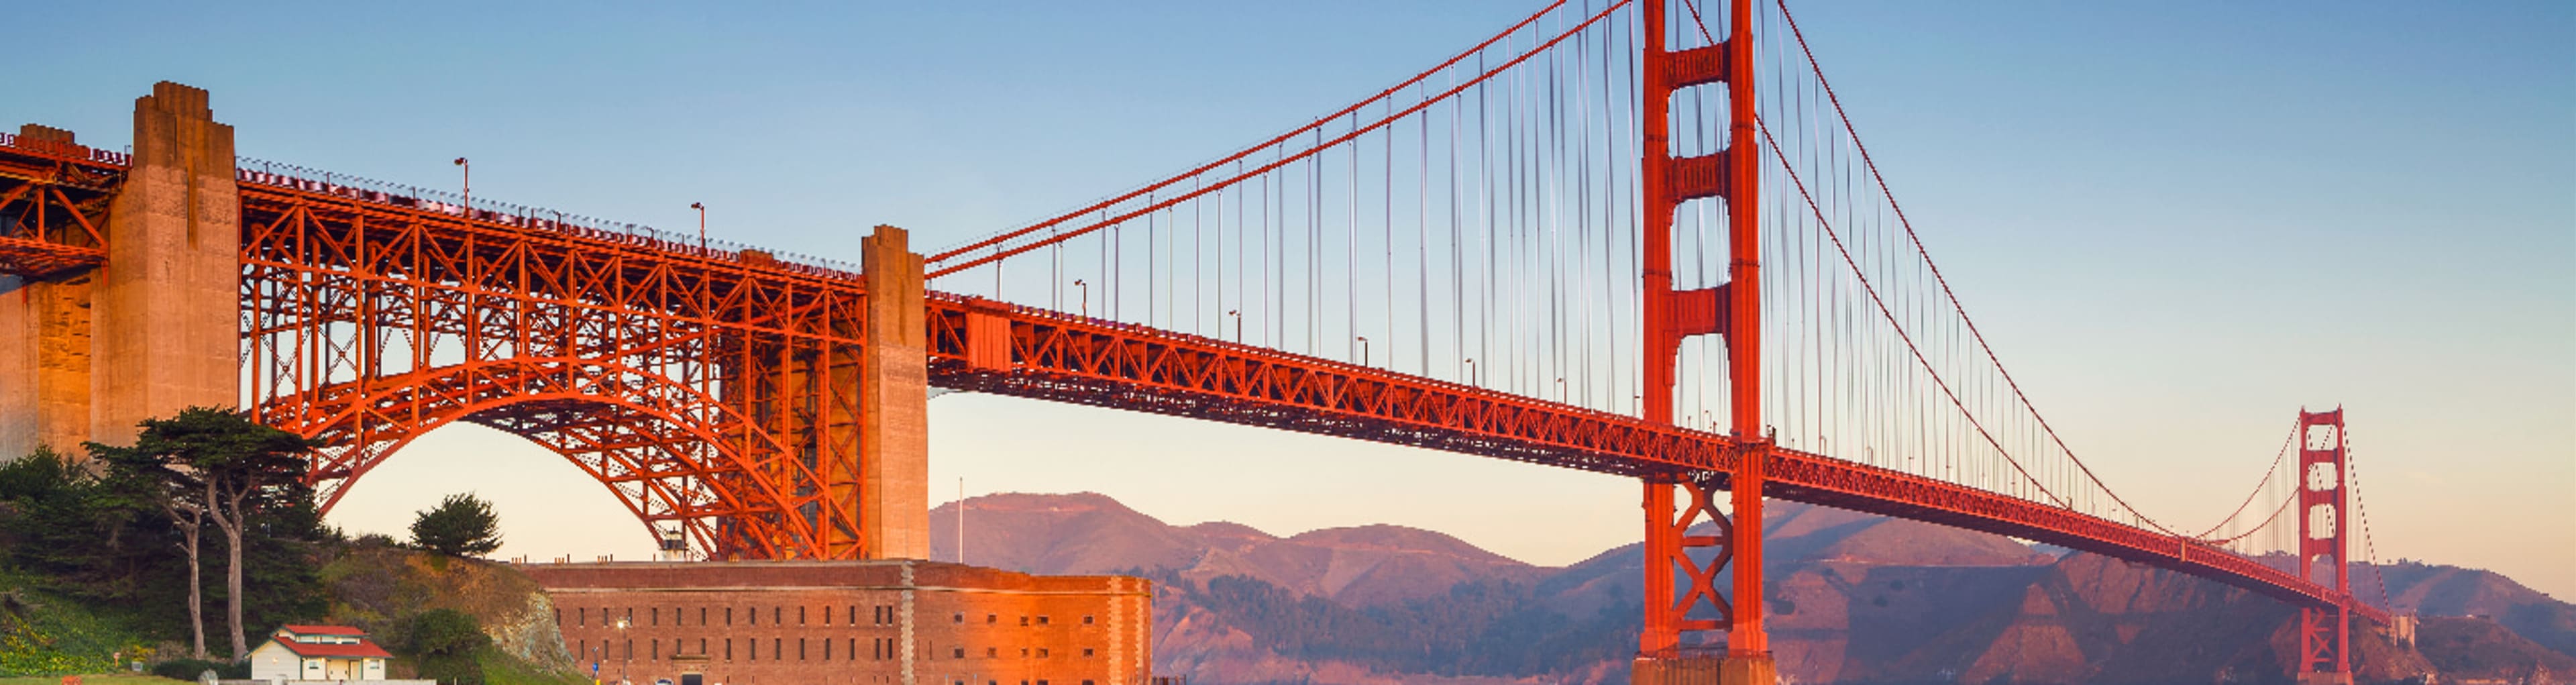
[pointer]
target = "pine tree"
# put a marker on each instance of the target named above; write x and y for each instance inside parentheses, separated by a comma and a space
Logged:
(462, 525)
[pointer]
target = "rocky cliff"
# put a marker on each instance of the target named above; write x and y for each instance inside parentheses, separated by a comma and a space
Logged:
(379, 588)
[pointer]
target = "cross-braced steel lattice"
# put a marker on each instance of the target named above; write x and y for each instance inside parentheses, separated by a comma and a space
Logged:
(708, 390)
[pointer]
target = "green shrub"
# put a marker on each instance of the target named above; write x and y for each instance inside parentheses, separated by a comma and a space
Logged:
(462, 525)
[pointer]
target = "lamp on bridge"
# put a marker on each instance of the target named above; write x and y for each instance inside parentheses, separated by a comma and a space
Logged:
(1364, 351)
(1086, 296)
(469, 187)
(702, 223)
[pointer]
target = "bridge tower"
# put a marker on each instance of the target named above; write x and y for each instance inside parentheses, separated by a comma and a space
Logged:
(2324, 634)
(154, 331)
(1732, 309)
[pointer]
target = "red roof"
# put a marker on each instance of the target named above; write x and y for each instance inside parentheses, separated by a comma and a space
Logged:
(363, 648)
(322, 630)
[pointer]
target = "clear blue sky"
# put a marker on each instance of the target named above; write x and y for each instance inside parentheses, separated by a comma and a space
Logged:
(2178, 223)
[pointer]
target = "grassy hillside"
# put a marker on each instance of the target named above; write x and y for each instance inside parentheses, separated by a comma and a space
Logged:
(43, 634)
(379, 588)
(95, 680)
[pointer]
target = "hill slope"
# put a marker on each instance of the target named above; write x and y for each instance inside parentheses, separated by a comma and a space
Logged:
(1091, 533)
(378, 589)
(1853, 598)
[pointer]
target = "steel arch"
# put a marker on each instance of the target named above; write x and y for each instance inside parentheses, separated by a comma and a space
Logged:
(659, 444)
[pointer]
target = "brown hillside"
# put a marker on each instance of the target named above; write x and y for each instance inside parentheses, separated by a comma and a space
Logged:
(1060, 534)
(2453, 591)
(2480, 648)
(1091, 533)
(1853, 599)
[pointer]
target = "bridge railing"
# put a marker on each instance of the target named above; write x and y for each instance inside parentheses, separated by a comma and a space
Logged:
(65, 151)
(263, 172)
(276, 174)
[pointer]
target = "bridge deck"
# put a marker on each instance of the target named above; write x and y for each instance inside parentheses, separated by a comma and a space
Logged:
(1066, 358)
(1007, 349)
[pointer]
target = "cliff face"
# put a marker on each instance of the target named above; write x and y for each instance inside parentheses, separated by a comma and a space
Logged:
(1853, 598)
(379, 589)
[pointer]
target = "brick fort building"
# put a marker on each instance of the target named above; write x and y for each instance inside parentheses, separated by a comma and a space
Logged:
(903, 622)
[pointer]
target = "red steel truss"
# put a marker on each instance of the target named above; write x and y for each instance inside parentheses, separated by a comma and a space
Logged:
(53, 205)
(715, 391)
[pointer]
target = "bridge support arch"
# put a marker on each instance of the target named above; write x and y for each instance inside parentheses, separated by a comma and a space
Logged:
(788, 397)
(671, 454)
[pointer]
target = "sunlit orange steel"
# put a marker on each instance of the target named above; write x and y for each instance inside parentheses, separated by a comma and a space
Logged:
(705, 387)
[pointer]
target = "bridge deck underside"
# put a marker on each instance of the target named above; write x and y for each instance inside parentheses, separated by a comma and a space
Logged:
(1065, 358)
(53, 212)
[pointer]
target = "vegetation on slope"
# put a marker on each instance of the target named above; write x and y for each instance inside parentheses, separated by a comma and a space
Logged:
(414, 602)
(42, 633)
(97, 573)
(94, 574)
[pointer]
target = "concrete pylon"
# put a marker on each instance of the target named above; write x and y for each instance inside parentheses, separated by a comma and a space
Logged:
(44, 353)
(894, 438)
(168, 317)
(86, 356)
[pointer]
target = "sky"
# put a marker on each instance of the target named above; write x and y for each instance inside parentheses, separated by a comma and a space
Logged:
(2178, 223)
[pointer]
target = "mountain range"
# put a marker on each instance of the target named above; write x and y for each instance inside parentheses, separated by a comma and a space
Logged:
(1852, 598)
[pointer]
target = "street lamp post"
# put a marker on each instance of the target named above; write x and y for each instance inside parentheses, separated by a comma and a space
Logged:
(702, 224)
(1086, 296)
(1238, 324)
(1364, 351)
(469, 187)
(1471, 372)
(629, 661)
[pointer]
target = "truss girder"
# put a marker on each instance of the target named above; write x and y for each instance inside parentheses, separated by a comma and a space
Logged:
(368, 323)
(53, 213)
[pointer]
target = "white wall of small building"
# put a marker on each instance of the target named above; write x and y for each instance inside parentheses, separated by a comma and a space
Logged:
(272, 661)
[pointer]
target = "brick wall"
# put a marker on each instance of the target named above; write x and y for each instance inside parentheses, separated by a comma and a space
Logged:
(863, 622)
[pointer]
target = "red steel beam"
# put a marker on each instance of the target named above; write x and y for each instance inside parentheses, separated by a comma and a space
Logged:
(332, 257)
(1064, 357)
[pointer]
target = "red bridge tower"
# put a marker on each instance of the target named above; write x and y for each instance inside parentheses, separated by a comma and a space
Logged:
(1734, 310)
(2324, 634)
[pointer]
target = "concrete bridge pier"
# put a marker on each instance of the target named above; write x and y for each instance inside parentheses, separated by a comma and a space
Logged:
(894, 393)
(44, 352)
(86, 356)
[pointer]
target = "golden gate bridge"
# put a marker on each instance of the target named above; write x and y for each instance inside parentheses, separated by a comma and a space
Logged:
(1635, 238)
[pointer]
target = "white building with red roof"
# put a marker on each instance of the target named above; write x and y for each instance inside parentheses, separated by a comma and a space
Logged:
(324, 653)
